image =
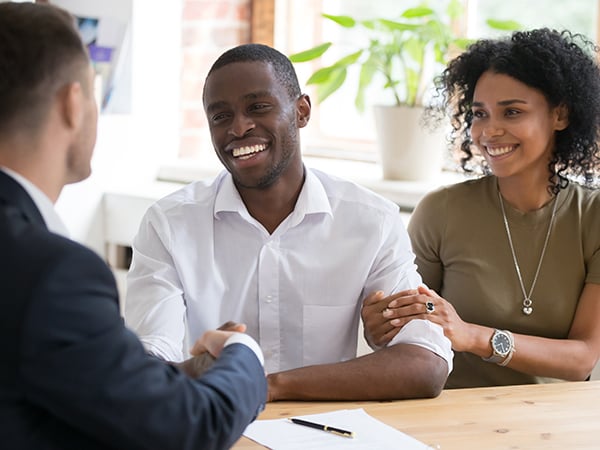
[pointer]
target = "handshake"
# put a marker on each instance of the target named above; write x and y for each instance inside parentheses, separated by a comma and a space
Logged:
(208, 347)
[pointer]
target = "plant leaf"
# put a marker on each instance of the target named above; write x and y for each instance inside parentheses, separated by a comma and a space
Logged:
(455, 9)
(348, 59)
(412, 86)
(462, 43)
(322, 75)
(367, 71)
(419, 11)
(311, 53)
(398, 26)
(326, 89)
(504, 25)
(345, 21)
(415, 49)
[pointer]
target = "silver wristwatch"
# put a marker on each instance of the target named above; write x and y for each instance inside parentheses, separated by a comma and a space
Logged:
(503, 346)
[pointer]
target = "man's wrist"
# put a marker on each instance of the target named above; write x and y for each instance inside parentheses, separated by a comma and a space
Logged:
(248, 341)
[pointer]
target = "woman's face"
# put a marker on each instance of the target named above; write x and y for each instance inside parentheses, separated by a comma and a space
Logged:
(514, 126)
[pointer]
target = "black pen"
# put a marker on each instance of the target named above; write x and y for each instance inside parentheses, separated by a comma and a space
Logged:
(318, 426)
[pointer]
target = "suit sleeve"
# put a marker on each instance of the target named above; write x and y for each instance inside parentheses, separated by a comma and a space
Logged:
(80, 363)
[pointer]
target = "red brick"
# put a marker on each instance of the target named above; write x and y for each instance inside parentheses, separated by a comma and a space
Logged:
(191, 89)
(210, 10)
(191, 145)
(193, 118)
(231, 36)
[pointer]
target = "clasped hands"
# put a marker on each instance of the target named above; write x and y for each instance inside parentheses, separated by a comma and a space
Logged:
(208, 347)
(383, 317)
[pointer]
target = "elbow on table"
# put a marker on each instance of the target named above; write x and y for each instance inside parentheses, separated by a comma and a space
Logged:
(433, 382)
(426, 375)
(580, 373)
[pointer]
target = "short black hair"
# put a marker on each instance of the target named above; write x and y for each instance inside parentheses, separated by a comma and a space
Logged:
(40, 52)
(282, 66)
(561, 65)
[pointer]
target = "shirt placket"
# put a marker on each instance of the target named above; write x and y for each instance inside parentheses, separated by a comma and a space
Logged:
(268, 304)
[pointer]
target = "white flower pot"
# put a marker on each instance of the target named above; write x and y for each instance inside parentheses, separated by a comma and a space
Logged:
(407, 150)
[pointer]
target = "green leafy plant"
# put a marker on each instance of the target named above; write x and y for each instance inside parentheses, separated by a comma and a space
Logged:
(404, 54)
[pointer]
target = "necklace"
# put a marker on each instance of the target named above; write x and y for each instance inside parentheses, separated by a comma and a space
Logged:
(527, 301)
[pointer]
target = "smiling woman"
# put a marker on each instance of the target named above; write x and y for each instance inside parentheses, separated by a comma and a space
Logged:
(519, 248)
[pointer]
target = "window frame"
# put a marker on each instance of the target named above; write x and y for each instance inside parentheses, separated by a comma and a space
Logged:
(268, 16)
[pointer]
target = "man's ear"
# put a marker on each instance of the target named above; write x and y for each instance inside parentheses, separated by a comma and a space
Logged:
(562, 117)
(303, 107)
(71, 99)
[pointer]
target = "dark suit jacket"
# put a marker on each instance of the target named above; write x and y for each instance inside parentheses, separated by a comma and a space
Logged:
(74, 377)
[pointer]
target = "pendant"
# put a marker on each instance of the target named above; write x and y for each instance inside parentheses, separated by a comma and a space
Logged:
(527, 308)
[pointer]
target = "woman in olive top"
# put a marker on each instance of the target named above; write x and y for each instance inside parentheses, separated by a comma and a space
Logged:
(514, 254)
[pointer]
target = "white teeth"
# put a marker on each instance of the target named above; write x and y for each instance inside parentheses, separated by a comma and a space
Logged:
(244, 151)
(497, 151)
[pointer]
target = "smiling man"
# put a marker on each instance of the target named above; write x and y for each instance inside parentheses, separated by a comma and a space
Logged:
(289, 251)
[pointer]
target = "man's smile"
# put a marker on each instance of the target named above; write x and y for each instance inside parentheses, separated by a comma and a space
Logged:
(248, 151)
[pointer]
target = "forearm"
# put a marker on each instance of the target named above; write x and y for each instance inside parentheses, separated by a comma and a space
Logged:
(194, 367)
(565, 359)
(398, 372)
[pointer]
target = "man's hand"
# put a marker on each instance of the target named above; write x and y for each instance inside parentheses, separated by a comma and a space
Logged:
(377, 329)
(212, 342)
(208, 348)
(233, 326)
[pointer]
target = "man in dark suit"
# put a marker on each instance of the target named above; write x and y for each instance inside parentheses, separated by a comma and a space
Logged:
(73, 376)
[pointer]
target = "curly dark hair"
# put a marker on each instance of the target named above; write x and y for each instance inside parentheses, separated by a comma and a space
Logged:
(561, 65)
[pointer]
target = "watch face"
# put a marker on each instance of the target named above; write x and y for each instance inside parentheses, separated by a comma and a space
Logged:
(501, 344)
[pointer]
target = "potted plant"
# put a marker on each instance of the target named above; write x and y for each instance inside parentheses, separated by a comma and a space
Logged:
(402, 56)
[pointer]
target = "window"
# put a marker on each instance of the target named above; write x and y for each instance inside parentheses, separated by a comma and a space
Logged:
(336, 127)
(336, 130)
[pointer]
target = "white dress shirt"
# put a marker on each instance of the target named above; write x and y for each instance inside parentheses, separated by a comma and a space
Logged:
(56, 225)
(200, 259)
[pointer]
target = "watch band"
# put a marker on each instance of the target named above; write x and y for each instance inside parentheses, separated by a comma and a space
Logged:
(501, 360)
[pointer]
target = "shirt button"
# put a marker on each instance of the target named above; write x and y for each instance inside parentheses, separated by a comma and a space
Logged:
(268, 299)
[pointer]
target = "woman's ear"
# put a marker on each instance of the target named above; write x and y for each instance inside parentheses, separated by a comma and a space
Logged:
(303, 107)
(561, 117)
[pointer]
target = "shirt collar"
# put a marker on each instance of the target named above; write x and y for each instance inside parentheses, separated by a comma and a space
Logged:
(42, 202)
(312, 199)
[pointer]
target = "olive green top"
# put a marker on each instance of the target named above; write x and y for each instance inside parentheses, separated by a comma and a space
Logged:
(463, 253)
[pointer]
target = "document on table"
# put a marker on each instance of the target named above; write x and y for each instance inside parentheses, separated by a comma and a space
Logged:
(370, 433)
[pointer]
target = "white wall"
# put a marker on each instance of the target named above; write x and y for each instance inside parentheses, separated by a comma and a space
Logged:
(130, 147)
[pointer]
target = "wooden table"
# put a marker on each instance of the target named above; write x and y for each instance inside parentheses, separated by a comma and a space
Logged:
(562, 416)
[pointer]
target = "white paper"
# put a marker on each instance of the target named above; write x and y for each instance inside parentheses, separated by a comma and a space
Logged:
(370, 433)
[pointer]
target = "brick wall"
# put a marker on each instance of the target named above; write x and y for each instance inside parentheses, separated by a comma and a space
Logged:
(209, 28)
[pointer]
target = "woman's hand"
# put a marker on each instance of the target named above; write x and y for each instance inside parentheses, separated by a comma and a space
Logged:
(377, 314)
(383, 317)
(443, 314)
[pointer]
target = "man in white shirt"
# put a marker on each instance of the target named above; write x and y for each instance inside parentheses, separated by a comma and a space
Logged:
(289, 251)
